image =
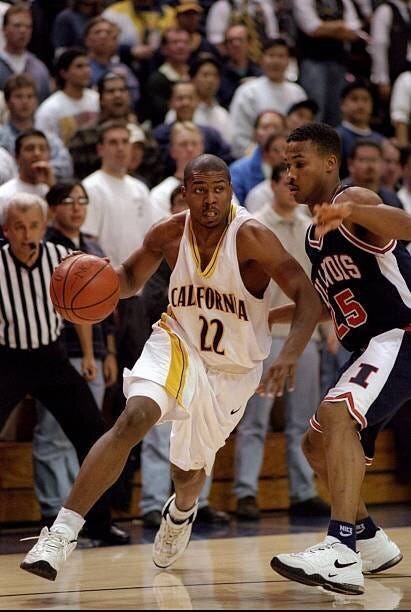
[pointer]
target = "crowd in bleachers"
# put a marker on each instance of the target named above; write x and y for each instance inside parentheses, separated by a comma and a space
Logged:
(103, 103)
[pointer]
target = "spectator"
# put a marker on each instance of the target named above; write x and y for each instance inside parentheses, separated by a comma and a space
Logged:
(324, 30)
(273, 155)
(176, 50)
(73, 106)
(248, 171)
(390, 40)
(186, 143)
(238, 65)
(205, 73)
(300, 113)
(155, 466)
(184, 102)
(391, 173)
(21, 98)
(258, 16)
(119, 204)
(270, 91)
(281, 216)
(365, 166)
(401, 108)
(114, 103)
(14, 58)
(120, 207)
(101, 42)
(32, 357)
(141, 23)
(55, 463)
(35, 173)
(404, 193)
(188, 17)
(356, 109)
(69, 25)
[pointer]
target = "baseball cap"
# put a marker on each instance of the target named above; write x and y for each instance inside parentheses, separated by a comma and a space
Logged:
(185, 7)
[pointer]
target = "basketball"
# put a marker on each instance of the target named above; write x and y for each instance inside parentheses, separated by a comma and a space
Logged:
(84, 289)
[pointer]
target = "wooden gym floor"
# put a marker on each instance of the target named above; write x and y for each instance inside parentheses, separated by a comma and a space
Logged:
(231, 572)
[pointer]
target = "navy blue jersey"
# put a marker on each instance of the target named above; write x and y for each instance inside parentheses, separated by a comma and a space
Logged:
(367, 289)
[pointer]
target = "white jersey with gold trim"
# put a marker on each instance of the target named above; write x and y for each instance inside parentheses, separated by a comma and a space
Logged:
(224, 321)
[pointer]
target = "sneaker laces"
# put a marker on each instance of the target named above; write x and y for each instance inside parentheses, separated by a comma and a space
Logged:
(51, 543)
(313, 549)
(171, 534)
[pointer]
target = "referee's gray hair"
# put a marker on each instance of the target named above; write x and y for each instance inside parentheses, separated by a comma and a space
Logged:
(23, 201)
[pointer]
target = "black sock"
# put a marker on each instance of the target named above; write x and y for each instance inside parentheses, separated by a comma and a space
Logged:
(345, 532)
(366, 528)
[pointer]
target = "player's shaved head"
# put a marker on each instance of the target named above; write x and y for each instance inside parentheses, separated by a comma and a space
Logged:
(205, 163)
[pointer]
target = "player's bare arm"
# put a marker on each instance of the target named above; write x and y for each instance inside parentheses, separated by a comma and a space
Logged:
(356, 207)
(269, 260)
(160, 242)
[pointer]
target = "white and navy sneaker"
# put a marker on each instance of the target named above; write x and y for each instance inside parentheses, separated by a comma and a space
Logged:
(378, 553)
(330, 565)
(172, 538)
(48, 555)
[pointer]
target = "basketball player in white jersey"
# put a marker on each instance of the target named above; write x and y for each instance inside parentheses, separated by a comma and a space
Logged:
(203, 360)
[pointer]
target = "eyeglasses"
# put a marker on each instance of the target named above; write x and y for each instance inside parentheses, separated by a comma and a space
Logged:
(69, 201)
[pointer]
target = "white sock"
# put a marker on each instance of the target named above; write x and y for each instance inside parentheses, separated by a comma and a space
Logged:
(180, 515)
(70, 522)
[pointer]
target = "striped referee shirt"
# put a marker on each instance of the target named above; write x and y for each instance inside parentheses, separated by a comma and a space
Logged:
(27, 317)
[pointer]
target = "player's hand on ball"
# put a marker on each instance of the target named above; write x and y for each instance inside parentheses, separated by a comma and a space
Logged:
(328, 217)
(279, 376)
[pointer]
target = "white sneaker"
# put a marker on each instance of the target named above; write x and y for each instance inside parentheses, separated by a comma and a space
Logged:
(48, 555)
(378, 553)
(172, 538)
(331, 565)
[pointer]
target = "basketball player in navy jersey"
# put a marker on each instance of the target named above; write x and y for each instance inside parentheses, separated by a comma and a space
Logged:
(362, 273)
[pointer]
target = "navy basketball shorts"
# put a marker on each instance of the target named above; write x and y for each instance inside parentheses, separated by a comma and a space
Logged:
(374, 384)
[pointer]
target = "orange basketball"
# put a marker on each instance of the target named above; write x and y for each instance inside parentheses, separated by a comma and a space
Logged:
(84, 289)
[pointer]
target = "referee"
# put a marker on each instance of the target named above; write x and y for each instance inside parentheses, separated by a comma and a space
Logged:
(32, 357)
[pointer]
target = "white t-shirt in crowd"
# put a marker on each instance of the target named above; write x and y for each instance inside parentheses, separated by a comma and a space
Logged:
(64, 115)
(16, 185)
(119, 213)
(258, 196)
(8, 168)
(214, 116)
(160, 194)
(252, 98)
(400, 107)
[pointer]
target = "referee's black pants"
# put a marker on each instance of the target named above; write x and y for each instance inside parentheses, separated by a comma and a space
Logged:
(47, 375)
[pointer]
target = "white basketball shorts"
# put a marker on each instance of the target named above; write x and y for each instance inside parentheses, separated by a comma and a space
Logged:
(204, 404)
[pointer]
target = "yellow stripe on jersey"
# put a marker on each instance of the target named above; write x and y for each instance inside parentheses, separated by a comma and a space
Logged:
(213, 261)
(178, 364)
